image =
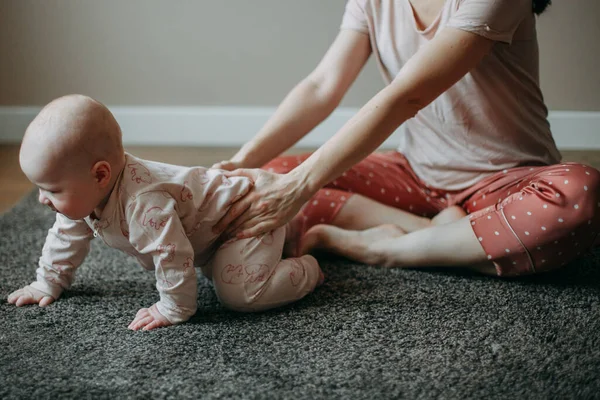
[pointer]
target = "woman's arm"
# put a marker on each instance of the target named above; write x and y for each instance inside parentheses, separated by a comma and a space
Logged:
(431, 71)
(310, 102)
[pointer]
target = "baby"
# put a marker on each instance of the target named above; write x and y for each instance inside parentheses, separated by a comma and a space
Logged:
(159, 213)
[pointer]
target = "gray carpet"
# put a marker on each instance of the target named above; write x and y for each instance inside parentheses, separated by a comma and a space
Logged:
(367, 333)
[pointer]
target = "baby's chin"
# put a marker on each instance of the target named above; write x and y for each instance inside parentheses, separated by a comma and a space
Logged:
(71, 215)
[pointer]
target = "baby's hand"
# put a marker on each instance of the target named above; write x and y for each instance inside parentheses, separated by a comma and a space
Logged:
(29, 295)
(147, 319)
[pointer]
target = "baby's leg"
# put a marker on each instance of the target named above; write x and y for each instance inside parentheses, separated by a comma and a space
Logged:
(250, 275)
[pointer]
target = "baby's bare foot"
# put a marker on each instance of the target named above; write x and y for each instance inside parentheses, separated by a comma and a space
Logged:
(293, 231)
(355, 245)
(321, 278)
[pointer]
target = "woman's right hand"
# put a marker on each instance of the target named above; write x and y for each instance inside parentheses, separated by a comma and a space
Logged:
(273, 201)
(228, 165)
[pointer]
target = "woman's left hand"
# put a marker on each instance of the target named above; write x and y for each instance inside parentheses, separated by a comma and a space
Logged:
(273, 201)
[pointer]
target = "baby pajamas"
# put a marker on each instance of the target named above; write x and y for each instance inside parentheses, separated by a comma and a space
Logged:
(163, 215)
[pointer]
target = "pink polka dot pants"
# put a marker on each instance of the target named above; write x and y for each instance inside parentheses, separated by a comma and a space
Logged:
(536, 219)
(527, 219)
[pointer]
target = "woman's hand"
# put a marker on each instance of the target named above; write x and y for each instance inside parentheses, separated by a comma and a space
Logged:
(228, 165)
(274, 200)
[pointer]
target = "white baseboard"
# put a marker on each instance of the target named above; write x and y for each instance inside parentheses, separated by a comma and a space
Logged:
(233, 126)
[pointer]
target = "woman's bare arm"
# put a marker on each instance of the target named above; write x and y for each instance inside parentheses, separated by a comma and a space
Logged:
(430, 72)
(310, 102)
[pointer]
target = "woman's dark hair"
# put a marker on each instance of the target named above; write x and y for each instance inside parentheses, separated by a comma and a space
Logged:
(540, 5)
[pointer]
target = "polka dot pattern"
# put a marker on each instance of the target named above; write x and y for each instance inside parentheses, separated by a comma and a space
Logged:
(536, 216)
(516, 214)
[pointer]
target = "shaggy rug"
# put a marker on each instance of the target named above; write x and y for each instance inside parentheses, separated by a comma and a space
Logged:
(368, 333)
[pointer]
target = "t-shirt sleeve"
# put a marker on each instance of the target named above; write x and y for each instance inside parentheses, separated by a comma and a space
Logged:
(355, 17)
(496, 20)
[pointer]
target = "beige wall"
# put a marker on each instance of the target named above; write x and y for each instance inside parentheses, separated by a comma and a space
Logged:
(229, 52)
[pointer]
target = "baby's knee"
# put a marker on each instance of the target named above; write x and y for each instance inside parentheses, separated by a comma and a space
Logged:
(241, 296)
(238, 301)
(292, 279)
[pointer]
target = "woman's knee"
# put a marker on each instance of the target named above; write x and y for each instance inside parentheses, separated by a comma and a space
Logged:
(584, 189)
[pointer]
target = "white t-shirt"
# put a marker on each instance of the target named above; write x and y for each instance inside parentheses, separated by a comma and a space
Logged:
(493, 118)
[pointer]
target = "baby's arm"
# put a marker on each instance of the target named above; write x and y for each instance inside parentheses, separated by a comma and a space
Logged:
(155, 229)
(66, 246)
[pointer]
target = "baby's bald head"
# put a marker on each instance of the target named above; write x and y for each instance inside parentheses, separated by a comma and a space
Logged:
(71, 133)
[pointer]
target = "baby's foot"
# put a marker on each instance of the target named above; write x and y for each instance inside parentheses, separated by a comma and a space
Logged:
(293, 234)
(321, 278)
(355, 245)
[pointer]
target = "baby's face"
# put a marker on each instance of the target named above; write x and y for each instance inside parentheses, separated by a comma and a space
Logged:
(73, 194)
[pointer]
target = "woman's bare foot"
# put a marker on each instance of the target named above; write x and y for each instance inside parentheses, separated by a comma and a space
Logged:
(447, 215)
(356, 245)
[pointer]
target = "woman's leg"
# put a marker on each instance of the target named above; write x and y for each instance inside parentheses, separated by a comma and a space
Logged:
(536, 220)
(361, 212)
(448, 244)
(539, 222)
(332, 207)
(380, 189)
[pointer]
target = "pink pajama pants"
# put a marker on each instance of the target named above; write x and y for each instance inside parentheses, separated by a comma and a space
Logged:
(527, 219)
(251, 275)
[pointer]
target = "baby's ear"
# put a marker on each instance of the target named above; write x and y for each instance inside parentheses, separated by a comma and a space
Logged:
(101, 171)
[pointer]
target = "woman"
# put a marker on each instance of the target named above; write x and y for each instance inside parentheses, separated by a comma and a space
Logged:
(463, 82)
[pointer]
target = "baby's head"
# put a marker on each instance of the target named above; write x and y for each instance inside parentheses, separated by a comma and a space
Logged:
(73, 152)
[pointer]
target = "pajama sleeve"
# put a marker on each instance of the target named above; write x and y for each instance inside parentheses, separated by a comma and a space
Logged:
(496, 20)
(67, 244)
(155, 229)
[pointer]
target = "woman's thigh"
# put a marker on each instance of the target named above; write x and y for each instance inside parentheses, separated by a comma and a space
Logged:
(535, 219)
(384, 177)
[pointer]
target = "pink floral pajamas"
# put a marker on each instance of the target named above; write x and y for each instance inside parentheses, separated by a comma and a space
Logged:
(250, 274)
(163, 215)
